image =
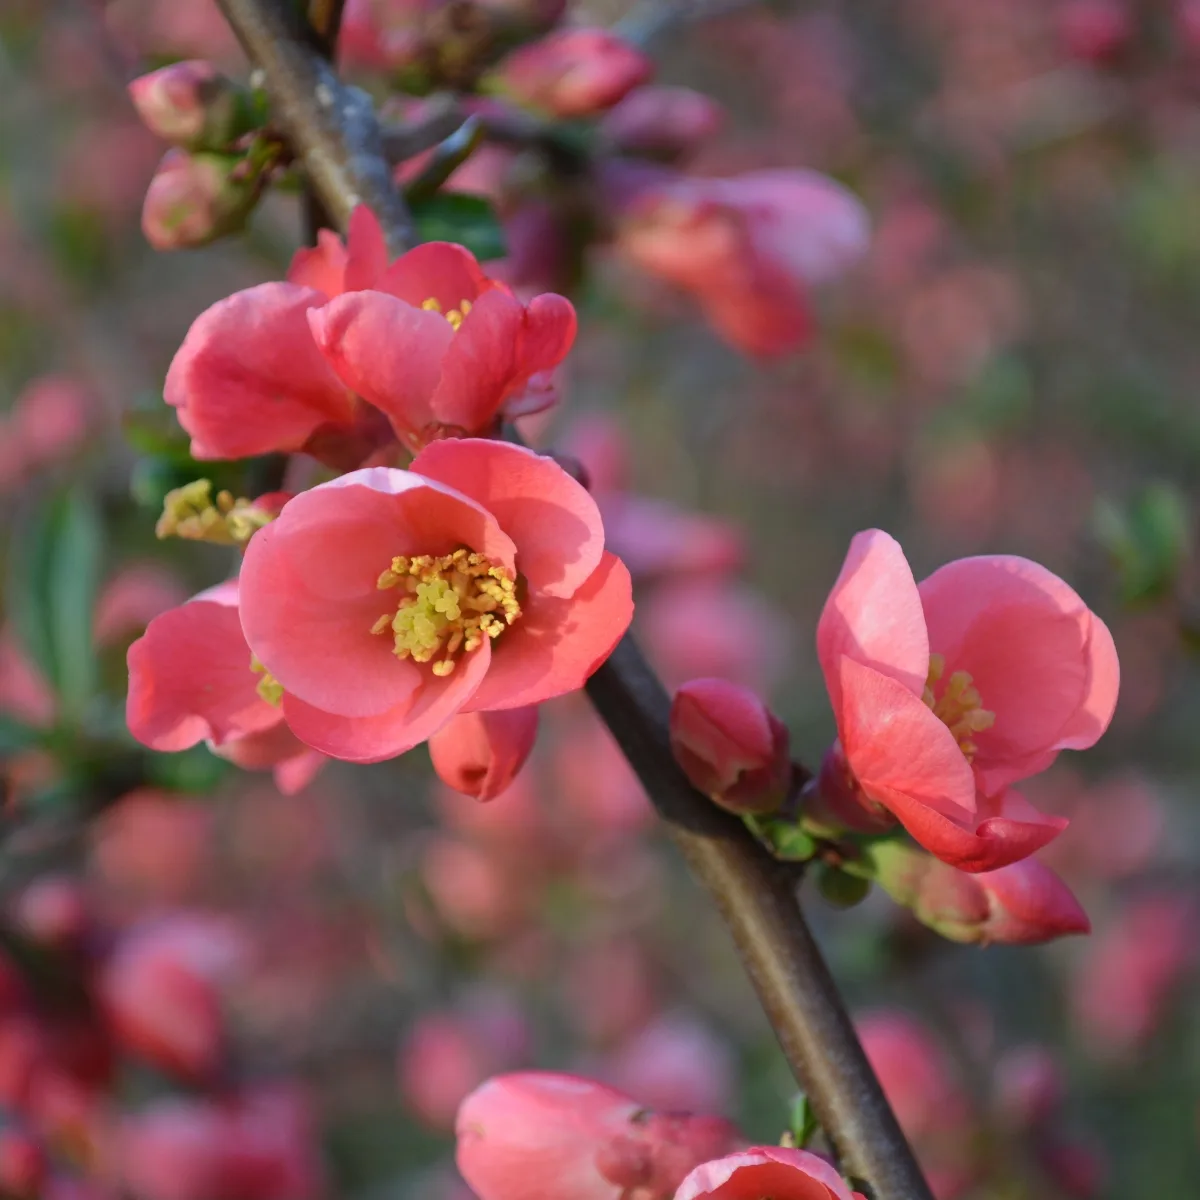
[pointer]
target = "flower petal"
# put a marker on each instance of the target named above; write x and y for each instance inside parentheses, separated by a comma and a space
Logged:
(248, 378)
(1099, 702)
(321, 267)
(557, 644)
(309, 583)
(553, 520)
(190, 680)
(385, 350)
(397, 730)
(480, 367)
(1014, 831)
(765, 1171)
(873, 616)
(440, 271)
(366, 250)
(896, 746)
(547, 334)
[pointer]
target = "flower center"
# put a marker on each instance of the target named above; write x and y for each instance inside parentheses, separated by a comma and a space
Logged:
(960, 706)
(193, 512)
(269, 688)
(455, 316)
(450, 604)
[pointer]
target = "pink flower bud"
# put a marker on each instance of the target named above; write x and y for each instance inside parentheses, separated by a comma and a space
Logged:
(191, 104)
(662, 122)
(777, 1171)
(575, 72)
(533, 1134)
(730, 745)
(481, 753)
(194, 199)
(1020, 904)
(1094, 30)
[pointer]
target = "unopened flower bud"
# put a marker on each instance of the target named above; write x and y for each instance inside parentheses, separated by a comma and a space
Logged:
(191, 104)
(1021, 904)
(662, 122)
(481, 753)
(575, 72)
(730, 745)
(195, 198)
(533, 1134)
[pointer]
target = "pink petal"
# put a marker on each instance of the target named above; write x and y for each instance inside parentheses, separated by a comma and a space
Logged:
(1014, 832)
(321, 267)
(1024, 637)
(367, 253)
(765, 1171)
(552, 519)
(295, 774)
(557, 644)
(480, 366)
(1099, 702)
(309, 594)
(547, 334)
(895, 745)
(873, 616)
(385, 350)
(440, 271)
(248, 378)
(190, 680)
(385, 735)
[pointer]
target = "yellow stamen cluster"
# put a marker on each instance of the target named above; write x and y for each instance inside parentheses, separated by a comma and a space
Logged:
(960, 706)
(191, 512)
(450, 604)
(455, 316)
(269, 688)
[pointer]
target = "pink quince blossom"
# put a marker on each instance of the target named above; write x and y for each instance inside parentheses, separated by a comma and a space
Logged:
(191, 680)
(481, 753)
(533, 1134)
(386, 602)
(776, 1171)
(323, 362)
(947, 693)
(748, 248)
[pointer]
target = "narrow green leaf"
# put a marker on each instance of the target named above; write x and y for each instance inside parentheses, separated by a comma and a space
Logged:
(456, 217)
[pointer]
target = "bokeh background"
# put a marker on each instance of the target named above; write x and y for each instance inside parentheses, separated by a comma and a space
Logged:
(319, 978)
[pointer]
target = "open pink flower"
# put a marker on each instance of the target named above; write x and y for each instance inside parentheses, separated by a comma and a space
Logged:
(437, 345)
(748, 248)
(948, 693)
(776, 1171)
(191, 680)
(387, 601)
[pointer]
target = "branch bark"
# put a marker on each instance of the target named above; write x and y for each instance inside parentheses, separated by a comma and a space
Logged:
(338, 140)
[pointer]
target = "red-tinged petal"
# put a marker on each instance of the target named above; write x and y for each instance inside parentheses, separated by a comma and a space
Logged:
(388, 734)
(309, 583)
(557, 644)
(547, 334)
(481, 753)
(873, 616)
(1014, 833)
(1025, 638)
(249, 379)
(480, 366)
(321, 267)
(895, 745)
(293, 775)
(440, 271)
(190, 680)
(551, 518)
(387, 351)
(765, 1171)
(1099, 702)
(1030, 904)
(366, 250)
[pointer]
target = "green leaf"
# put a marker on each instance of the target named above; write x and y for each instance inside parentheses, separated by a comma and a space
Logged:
(456, 217)
(53, 580)
(803, 1124)
(1148, 540)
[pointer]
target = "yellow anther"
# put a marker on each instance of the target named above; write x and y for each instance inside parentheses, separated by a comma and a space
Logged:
(448, 605)
(269, 688)
(455, 316)
(192, 512)
(960, 706)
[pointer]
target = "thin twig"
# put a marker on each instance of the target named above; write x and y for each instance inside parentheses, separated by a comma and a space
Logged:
(446, 159)
(755, 895)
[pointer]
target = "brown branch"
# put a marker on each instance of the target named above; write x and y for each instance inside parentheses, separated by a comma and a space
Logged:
(755, 894)
(331, 126)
